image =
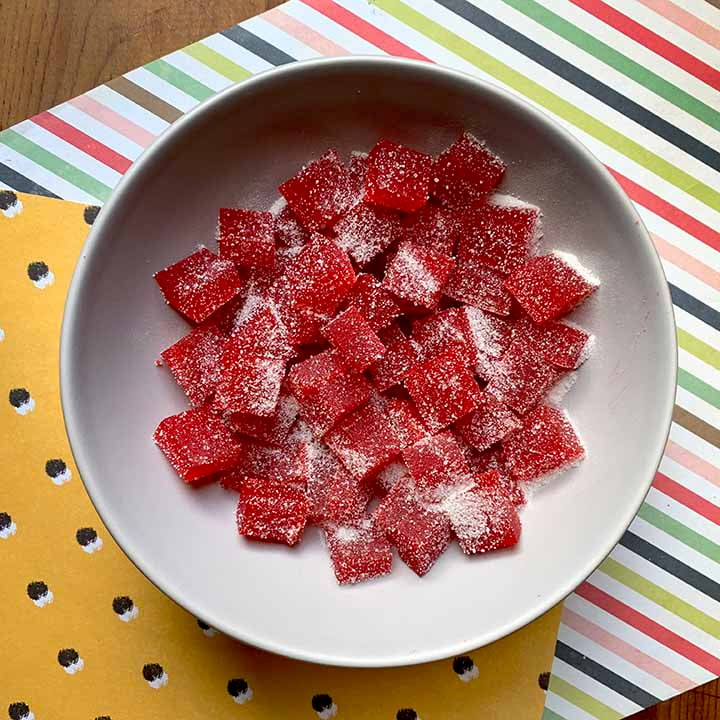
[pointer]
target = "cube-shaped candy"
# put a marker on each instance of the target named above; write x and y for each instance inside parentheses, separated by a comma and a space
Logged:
(272, 429)
(437, 463)
(197, 443)
(199, 284)
(409, 427)
(246, 237)
(418, 274)
(320, 193)
(521, 377)
(565, 346)
(248, 382)
(366, 231)
(401, 355)
(490, 335)
(356, 343)
(397, 176)
(498, 236)
(272, 511)
(545, 443)
(491, 422)
(483, 517)
(336, 497)
(193, 362)
(365, 440)
(263, 333)
(431, 227)
(288, 230)
(550, 286)
(358, 552)
(443, 389)
(288, 463)
(498, 477)
(474, 284)
(357, 173)
(420, 537)
(444, 330)
(375, 303)
(466, 172)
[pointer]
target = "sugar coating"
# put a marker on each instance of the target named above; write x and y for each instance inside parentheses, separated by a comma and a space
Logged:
(574, 262)
(365, 231)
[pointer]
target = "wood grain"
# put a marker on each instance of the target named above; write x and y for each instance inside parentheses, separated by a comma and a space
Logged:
(53, 50)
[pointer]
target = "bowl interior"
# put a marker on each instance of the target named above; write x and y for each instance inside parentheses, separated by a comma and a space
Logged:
(235, 151)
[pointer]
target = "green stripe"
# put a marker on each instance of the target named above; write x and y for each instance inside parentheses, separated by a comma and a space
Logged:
(548, 714)
(542, 96)
(582, 700)
(179, 79)
(680, 532)
(55, 165)
(219, 63)
(661, 597)
(698, 348)
(698, 387)
(617, 60)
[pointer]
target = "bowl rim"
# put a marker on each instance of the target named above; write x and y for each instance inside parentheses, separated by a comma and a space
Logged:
(69, 331)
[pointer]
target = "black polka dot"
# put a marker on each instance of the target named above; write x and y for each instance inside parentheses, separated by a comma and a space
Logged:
(18, 710)
(36, 589)
(85, 536)
(321, 702)
(90, 214)
(121, 604)
(7, 199)
(462, 664)
(237, 686)
(67, 656)
(37, 270)
(55, 467)
(544, 680)
(18, 396)
(406, 714)
(5, 521)
(103, 717)
(202, 624)
(152, 671)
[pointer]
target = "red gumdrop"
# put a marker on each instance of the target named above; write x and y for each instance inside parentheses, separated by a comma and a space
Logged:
(375, 303)
(565, 346)
(358, 552)
(489, 423)
(431, 227)
(401, 355)
(474, 284)
(356, 343)
(365, 231)
(437, 462)
(246, 237)
(272, 429)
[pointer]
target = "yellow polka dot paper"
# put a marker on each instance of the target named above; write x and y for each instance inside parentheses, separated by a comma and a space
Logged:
(86, 635)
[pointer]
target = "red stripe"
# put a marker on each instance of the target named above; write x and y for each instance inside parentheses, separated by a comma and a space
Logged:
(364, 29)
(649, 627)
(664, 209)
(652, 41)
(688, 498)
(83, 142)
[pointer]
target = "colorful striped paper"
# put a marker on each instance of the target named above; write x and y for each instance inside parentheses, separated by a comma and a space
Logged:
(638, 82)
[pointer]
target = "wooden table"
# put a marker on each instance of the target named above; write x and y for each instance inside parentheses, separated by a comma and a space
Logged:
(56, 49)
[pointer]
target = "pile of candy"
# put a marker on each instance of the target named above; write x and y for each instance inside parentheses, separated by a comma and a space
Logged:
(374, 356)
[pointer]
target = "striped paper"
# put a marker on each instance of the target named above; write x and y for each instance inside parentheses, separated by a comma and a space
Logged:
(638, 82)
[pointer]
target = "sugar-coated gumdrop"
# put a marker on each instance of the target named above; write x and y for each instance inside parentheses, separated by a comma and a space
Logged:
(443, 389)
(263, 333)
(375, 303)
(545, 443)
(550, 286)
(466, 172)
(289, 231)
(272, 511)
(356, 343)
(565, 346)
(444, 330)
(272, 429)
(199, 284)
(320, 193)
(197, 443)
(358, 552)
(474, 284)
(287, 463)
(498, 236)
(437, 462)
(193, 362)
(521, 377)
(418, 274)
(431, 227)
(397, 176)
(366, 231)
(409, 426)
(246, 237)
(401, 355)
(483, 516)
(489, 423)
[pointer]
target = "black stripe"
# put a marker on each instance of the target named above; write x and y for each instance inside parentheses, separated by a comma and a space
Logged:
(585, 82)
(257, 45)
(695, 307)
(670, 564)
(604, 676)
(19, 182)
